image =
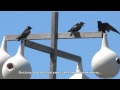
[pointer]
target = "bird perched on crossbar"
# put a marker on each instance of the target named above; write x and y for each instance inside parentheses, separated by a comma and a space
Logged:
(25, 33)
(76, 28)
(106, 27)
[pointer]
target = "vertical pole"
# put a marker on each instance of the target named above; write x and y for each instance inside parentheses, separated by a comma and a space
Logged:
(79, 66)
(54, 35)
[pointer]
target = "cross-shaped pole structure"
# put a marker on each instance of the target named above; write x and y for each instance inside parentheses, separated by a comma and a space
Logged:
(54, 36)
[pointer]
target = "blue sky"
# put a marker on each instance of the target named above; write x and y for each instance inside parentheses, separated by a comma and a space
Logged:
(14, 22)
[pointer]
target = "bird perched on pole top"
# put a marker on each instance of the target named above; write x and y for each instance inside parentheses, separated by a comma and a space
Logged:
(76, 28)
(106, 27)
(25, 33)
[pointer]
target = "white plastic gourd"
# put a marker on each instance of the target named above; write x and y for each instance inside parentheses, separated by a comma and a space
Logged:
(17, 67)
(3, 55)
(79, 74)
(104, 61)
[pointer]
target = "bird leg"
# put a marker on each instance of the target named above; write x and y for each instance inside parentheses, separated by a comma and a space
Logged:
(24, 39)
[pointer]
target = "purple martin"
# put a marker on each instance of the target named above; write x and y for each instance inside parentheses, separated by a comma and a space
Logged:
(25, 33)
(76, 28)
(106, 27)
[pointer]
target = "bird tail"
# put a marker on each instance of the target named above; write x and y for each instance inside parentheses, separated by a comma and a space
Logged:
(118, 32)
(18, 38)
(69, 30)
(113, 29)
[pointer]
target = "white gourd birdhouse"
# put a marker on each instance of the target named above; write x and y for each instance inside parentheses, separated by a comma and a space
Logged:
(17, 67)
(79, 74)
(104, 61)
(3, 55)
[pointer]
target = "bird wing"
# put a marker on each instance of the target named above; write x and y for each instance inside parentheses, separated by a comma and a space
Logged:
(25, 33)
(76, 27)
(112, 29)
(73, 28)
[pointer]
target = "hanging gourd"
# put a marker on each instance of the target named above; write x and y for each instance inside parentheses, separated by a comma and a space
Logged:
(3, 55)
(79, 74)
(104, 62)
(17, 67)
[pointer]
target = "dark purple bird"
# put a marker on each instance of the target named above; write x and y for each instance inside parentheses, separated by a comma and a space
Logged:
(25, 33)
(106, 26)
(76, 28)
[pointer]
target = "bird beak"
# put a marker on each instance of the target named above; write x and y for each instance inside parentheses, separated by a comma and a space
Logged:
(83, 24)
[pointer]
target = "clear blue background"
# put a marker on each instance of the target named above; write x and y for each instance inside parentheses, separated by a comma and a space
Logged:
(14, 22)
